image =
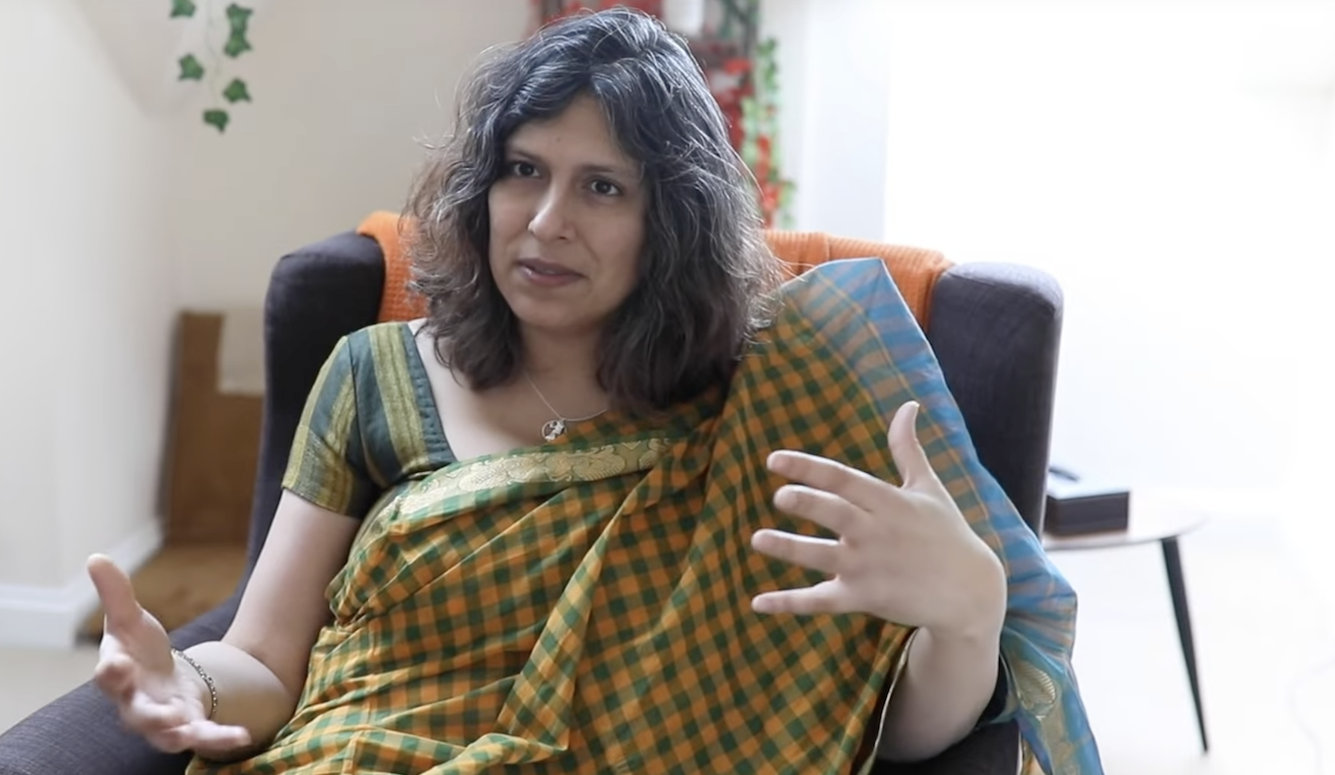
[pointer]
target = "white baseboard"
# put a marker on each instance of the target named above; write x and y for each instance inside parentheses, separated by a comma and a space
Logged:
(49, 617)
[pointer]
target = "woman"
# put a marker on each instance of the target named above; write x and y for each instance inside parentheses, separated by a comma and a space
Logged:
(562, 524)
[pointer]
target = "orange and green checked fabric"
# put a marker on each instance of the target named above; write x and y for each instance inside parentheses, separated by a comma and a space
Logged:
(584, 606)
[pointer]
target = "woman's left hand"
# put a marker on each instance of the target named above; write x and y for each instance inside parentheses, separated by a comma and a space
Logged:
(905, 553)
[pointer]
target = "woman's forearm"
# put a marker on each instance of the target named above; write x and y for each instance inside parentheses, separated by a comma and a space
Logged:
(940, 695)
(249, 695)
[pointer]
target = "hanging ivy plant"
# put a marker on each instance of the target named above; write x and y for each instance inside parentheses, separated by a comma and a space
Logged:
(237, 43)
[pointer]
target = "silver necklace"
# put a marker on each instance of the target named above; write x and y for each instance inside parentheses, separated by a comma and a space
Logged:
(554, 429)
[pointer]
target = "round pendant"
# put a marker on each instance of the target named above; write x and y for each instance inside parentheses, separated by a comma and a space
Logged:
(552, 429)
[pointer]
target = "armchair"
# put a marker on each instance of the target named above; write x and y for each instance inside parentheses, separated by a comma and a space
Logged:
(995, 329)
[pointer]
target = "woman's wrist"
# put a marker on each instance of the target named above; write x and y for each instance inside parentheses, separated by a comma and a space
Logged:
(205, 687)
(978, 620)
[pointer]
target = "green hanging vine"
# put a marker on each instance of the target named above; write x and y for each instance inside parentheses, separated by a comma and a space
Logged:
(192, 69)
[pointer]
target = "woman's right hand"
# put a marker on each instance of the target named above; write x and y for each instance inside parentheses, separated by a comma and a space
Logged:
(157, 695)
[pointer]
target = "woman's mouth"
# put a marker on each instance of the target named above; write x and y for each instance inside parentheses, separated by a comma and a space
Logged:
(546, 273)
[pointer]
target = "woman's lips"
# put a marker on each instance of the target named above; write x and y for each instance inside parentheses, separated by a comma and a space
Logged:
(546, 273)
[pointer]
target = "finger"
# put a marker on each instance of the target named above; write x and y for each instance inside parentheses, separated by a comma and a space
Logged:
(860, 489)
(213, 735)
(824, 508)
(114, 676)
(821, 554)
(172, 740)
(110, 646)
(144, 713)
(824, 598)
(200, 734)
(905, 449)
(115, 591)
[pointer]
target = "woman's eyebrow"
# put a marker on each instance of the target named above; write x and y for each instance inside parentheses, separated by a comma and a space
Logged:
(599, 167)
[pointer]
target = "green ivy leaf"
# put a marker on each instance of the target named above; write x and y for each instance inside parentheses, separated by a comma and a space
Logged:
(217, 118)
(236, 91)
(191, 69)
(238, 21)
(184, 8)
(236, 45)
(238, 16)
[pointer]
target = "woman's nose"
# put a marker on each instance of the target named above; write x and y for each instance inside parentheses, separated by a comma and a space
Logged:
(551, 219)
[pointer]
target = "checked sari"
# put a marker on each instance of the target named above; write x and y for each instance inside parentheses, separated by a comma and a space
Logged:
(584, 606)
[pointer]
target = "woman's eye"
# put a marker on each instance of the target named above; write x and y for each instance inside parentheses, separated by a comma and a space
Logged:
(523, 169)
(605, 188)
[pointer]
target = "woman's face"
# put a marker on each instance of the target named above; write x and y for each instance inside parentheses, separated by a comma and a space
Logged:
(567, 222)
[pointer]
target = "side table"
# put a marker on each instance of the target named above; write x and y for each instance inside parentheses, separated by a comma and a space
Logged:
(1162, 521)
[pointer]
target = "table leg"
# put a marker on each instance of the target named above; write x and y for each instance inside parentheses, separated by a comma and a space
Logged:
(1172, 560)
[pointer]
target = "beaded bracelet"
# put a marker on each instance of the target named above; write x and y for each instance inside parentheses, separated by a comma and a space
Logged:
(208, 681)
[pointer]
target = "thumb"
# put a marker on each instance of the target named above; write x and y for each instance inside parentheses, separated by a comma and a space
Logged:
(907, 452)
(115, 591)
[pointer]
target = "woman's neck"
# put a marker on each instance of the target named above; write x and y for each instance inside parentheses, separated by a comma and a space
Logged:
(565, 371)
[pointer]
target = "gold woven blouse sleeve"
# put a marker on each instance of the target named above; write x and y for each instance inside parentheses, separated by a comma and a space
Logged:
(327, 465)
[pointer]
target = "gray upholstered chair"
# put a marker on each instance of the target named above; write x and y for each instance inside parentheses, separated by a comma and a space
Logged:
(995, 329)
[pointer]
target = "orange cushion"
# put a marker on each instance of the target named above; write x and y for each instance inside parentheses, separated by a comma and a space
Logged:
(397, 302)
(914, 270)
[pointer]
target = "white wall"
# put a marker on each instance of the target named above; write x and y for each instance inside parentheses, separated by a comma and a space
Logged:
(85, 302)
(1173, 165)
(1161, 161)
(344, 91)
(833, 68)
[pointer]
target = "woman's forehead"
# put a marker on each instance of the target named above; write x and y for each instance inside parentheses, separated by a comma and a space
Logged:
(579, 132)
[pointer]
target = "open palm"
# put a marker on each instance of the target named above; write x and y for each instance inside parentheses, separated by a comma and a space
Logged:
(904, 553)
(137, 671)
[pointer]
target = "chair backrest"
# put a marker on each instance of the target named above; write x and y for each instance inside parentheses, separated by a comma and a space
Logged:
(995, 329)
(996, 332)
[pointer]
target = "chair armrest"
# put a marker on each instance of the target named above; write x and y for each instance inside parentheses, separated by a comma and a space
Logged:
(996, 332)
(80, 733)
(990, 750)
